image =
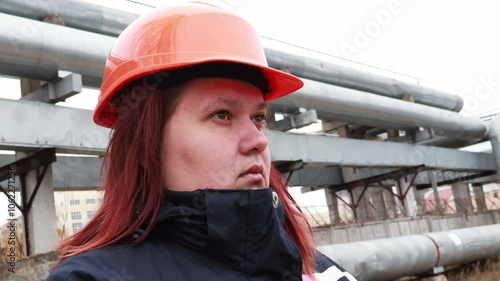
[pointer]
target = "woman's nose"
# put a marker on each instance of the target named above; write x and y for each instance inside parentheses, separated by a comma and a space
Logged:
(252, 138)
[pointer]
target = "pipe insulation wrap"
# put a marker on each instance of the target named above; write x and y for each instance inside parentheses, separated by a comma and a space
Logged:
(467, 244)
(393, 258)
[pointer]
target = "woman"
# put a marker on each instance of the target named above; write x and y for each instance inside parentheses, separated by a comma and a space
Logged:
(190, 192)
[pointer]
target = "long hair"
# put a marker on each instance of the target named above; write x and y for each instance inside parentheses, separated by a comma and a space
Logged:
(134, 177)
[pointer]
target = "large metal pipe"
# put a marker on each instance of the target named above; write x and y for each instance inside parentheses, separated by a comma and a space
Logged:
(37, 50)
(393, 258)
(342, 104)
(494, 136)
(86, 16)
(76, 14)
(318, 70)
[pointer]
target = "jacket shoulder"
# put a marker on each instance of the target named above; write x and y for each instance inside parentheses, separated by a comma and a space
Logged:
(74, 269)
(94, 265)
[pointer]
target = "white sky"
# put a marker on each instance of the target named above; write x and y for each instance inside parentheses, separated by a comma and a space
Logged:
(450, 45)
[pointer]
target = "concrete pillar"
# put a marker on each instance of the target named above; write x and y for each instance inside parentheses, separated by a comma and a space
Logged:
(377, 199)
(400, 187)
(333, 206)
(41, 218)
(390, 205)
(479, 197)
(349, 174)
(437, 199)
(346, 213)
(409, 208)
(362, 214)
(420, 201)
(462, 197)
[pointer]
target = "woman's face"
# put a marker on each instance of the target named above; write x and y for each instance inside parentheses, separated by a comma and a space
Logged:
(215, 137)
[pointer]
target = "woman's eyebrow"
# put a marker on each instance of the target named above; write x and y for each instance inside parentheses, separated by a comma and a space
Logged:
(221, 102)
(229, 103)
(262, 106)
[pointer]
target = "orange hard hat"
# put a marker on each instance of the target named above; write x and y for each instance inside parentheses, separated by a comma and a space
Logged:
(183, 36)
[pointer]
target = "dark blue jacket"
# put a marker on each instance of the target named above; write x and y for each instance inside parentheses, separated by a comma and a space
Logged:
(203, 235)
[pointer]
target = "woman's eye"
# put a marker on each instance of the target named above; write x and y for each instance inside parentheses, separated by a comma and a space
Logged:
(223, 115)
(260, 118)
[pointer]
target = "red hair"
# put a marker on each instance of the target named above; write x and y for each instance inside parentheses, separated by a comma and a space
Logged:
(134, 177)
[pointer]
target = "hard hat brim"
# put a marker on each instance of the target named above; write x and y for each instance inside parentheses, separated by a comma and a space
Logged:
(280, 83)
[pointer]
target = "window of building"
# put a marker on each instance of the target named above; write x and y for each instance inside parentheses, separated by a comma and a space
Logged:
(90, 201)
(90, 214)
(76, 215)
(77, 226)
(74, 202)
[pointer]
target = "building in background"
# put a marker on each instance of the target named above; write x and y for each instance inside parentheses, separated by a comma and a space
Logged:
(74, 209)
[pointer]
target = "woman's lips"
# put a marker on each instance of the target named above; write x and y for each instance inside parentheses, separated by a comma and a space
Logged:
(254, 173)
(254, 177)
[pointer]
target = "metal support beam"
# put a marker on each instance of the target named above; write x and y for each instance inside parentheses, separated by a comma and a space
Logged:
(328, 150)
(58, 90)
(317, 177)
(461, 177)
(295, 121)
(380, 178)
(82, 173)
(354, 201)
(22, 166)
(4, 191)
(37, 125)
(289, 166)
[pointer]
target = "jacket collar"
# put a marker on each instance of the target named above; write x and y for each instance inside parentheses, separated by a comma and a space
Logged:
(240, 228)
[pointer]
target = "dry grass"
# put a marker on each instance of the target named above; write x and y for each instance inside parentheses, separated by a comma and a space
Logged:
(487, 270)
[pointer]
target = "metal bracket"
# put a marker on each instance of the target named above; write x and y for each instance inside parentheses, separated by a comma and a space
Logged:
(42, 158)
(423, 136)
(57, 90)
(38, 160)
(289, 167)
(295, 121)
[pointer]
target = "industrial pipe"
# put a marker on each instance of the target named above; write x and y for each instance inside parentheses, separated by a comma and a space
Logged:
(38, 50)
(393, 258)
(338, 103)
(93, 18)
(494, 136)
(76, 14)
(318, 70)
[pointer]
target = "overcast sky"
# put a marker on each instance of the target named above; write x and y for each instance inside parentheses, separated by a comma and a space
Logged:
(450, 45)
